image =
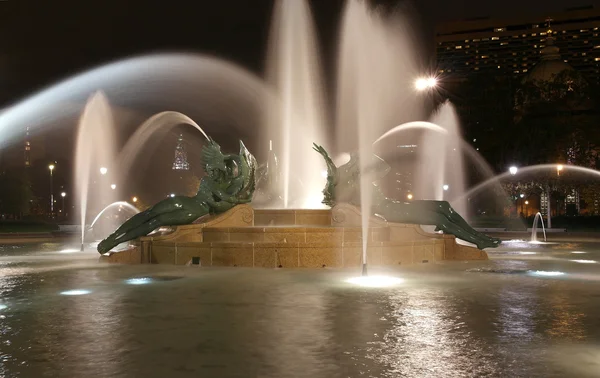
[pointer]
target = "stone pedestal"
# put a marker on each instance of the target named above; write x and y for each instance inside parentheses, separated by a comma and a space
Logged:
(287, 238)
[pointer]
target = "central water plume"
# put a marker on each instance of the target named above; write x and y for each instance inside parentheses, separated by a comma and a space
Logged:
(95, 149)
(298, 119)
(377, 66)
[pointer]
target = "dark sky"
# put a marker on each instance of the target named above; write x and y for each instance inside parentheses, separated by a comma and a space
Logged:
(45, 41)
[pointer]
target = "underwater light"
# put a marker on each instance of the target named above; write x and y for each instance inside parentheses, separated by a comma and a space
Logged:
(578, 252)
(75, 292)
(584, 261)
(138, 281)
(375, 281)
(68, 251)
(544, 273)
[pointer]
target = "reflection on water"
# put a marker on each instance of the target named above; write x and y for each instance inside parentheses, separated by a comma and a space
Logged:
(476, 319)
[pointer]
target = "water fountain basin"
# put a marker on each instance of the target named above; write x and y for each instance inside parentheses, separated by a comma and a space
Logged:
(288, 238)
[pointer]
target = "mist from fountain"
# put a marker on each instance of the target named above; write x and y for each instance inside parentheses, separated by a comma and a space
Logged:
(95, 148)
(297, 120)
(538, 216)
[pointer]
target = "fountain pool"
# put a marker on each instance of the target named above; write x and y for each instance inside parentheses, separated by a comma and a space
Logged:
(495, 318)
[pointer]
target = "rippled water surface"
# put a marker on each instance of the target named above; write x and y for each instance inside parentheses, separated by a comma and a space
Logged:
(498, 318)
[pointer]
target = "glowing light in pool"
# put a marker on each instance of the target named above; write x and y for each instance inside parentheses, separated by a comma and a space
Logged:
(138, 281)
(2, 307)
(527, 253)
(69, 251)
(75, 292)
(578, 252)
(584, 261)
(375, 281)
(544, 273)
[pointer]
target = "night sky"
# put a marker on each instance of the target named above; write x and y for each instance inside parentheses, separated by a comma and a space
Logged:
(45, 41)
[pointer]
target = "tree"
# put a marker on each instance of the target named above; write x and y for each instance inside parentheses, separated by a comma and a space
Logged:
(15, 192)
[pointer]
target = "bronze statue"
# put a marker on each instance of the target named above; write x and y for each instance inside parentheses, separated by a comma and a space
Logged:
(343, 185)
(229, 181)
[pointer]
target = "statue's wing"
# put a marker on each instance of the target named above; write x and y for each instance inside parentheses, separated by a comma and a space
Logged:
(212, 155)
(247, 169)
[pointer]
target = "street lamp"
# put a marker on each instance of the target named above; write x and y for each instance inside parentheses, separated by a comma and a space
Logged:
(513, 170)
(409, 196)
(51, 168)
(103, 170)
(134, 199)
(63, 195)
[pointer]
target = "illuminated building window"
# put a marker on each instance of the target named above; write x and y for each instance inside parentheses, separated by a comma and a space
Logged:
(514, 53)
(466, 41)
(498, 66)
(499, 29)
(495, 38)
(597, 59)
(458, 47)
(543, 33)
(535, 26)
(525, 70)
(503, 43)
(585, 41)
(484, 57)
(517, 71)
(476, 68)
(533, 34)
(583, 30)
(583, 54)
(476, 40)
(535, 46)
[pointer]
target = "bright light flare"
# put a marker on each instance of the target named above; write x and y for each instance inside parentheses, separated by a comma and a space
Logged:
(544, 273)
(375, 281)
(139, 281)
(75, 292)
(584, 261)
(424, 83)
(513, 170)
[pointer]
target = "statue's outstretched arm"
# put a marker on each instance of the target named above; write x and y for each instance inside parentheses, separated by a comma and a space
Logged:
(331, 168)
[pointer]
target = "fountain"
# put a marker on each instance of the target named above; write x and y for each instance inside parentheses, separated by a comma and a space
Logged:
(94, 152)
(534, 239)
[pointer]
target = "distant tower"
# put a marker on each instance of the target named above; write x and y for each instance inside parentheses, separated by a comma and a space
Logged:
(27, 155)
(180, 163)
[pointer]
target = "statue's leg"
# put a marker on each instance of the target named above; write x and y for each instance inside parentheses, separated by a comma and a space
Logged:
(447, 210)
(172, 211)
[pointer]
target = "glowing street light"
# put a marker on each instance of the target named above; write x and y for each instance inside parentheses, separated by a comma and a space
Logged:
(113, 186)
(513, 170)
(522, 195)
(134, 199)
(559, 168)
(409, 196)
(63, 195)
(51, 168)
(424, 83)
(103, 170)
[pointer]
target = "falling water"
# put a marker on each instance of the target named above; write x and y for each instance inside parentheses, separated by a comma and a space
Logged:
(377, 67)
(119, 205)
(298, 120)
(153, 128)
(440, 175)
(95, 148)
(538, 216)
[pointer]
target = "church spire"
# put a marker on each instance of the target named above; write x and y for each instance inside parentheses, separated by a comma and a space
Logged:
(180, 163)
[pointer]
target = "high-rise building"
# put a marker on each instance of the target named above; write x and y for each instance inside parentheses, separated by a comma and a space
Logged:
(27, 152)
(180, 163)
(513, 47)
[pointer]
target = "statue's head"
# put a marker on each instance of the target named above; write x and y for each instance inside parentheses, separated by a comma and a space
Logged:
(214, 160)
